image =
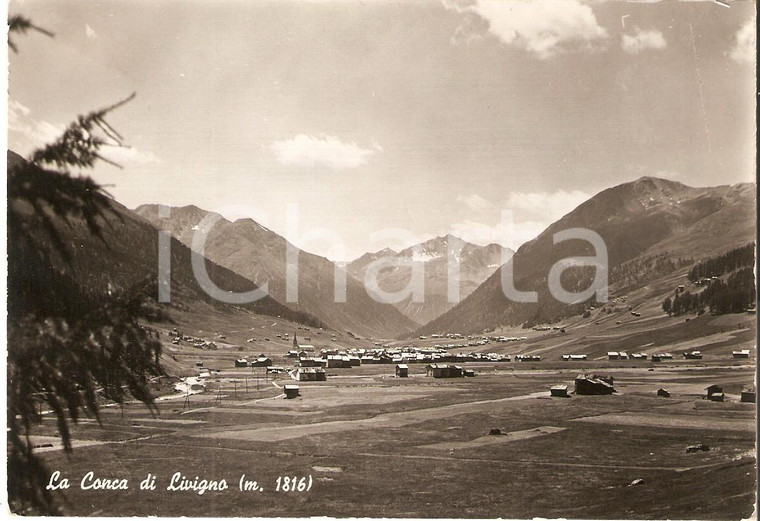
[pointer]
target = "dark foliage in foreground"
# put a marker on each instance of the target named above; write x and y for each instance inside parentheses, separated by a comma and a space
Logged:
(20, 25)
(69, 347)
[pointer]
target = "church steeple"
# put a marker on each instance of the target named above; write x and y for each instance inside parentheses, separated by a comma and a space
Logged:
(295, 340)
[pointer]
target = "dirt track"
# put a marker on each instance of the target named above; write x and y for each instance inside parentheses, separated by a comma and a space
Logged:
(381, 421)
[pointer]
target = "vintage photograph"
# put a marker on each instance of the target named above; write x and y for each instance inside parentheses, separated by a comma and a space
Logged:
(381, 259)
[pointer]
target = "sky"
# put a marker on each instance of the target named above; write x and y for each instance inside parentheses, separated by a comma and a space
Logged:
(348, 126)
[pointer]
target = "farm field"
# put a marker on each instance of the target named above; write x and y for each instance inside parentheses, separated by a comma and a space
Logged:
(375, 445)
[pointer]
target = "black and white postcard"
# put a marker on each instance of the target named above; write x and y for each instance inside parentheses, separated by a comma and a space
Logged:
(381, 259)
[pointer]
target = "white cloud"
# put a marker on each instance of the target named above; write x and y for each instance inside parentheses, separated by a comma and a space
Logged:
(547, 207)
(531, 214)
(642, 40)
(743, 50)
(322, 150)
(30, 133)
(544, 28)
(474, 201)
(90, 32)
(510, 236)
(27, 134)
(470, 30)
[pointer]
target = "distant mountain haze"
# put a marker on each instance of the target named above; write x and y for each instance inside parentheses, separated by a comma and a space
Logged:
(473, 264)
(638, 221)
(259, 254)
(125, 255)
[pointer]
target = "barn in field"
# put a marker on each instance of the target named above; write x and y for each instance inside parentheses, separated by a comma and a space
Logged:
(527, 358)
(748, 395)
(744, 353)
(311, 374)
(262, 361)
(292, 391)
(402, 371)
(241, 362)
(715, 393)
(573, 358)
(559, 391)
(593, 384)
(443, 371)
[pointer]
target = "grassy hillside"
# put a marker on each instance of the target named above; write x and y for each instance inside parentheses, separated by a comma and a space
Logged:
(646, 218)
(122, 256)
(260, 254)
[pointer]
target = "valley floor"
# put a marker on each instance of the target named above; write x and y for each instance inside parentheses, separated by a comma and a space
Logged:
(379, 446)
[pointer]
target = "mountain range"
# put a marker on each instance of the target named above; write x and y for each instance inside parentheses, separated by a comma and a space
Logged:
(437, 256)
(121, 256)
(644, 224)
(650, 228)
(259, 254)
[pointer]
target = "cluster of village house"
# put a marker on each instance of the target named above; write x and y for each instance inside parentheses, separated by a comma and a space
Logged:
(473, 340)
(310, 366)
(317, 374)
(585, 384)
(338, 359)
(176, 336)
